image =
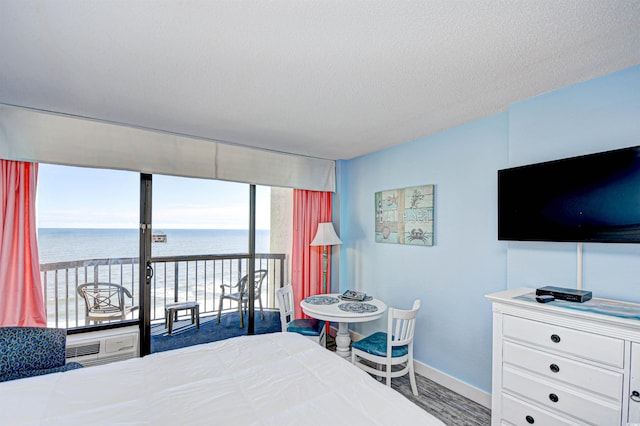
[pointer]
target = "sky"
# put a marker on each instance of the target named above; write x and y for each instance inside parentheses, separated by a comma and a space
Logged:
(76, 197)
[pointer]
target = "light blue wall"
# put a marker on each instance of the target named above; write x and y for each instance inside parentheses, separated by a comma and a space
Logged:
(593, 116)
(467, 261)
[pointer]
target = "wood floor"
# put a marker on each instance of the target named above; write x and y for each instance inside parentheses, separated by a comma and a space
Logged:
(452, 408)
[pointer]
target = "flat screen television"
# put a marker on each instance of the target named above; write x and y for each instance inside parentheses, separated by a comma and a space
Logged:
(590, 198)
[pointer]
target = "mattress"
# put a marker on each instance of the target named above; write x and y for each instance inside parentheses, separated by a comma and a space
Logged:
(269, 379)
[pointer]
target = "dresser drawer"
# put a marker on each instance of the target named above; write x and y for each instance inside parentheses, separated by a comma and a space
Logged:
(594, 347)
(600, 381)
(518, 413)
(561, 399)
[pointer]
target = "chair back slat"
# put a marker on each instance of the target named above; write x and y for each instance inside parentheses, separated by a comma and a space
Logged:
(401, 325)
(284, 296)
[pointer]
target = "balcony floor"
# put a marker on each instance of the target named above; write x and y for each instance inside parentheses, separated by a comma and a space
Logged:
(185, 334)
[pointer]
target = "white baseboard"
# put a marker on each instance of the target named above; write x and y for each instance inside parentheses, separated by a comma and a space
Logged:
(476, 395)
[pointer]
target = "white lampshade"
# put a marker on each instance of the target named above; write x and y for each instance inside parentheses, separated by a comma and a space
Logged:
(326, 235)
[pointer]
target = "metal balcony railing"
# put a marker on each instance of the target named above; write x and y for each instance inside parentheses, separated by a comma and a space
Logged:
(176, 278)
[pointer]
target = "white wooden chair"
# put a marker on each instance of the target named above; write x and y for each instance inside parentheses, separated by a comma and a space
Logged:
(393, 348)
(311, 328)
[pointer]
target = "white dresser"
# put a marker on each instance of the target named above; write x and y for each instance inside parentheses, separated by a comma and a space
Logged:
(564, 363)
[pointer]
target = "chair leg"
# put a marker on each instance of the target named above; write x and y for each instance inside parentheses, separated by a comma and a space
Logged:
(322, 339)
(171, 312)
(412, 378)
(241, 314)
(388, 373)
(219, 309)
(197, 308)
(261, 313)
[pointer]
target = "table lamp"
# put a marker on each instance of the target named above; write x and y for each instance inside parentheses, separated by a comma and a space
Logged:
(325, 236)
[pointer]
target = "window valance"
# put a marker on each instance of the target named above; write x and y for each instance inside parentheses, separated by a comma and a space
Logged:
(38, 136)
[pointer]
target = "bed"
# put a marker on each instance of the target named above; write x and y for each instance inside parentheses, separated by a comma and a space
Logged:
(269, 379)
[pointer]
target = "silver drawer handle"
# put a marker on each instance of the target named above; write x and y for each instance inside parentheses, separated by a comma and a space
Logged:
(635, 396)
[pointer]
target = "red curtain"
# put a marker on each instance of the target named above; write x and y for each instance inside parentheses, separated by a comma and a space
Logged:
(309, 209)
(21, 298)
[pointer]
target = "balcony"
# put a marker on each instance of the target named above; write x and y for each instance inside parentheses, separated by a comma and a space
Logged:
(175, 278)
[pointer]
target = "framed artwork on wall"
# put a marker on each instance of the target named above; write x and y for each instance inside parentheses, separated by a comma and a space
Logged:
(405, 216)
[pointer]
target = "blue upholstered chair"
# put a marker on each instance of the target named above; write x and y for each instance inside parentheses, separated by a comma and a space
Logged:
(395, 347)
(32, 351)
(312, 328)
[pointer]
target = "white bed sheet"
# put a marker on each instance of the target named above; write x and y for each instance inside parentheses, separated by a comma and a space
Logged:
(272, 379)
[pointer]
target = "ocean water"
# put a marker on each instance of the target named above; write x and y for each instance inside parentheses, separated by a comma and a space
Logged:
(67, 244)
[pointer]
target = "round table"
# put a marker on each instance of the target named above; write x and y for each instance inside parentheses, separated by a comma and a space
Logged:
(331, 307)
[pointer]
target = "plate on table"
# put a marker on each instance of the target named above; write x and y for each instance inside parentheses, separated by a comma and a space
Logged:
(358, 307)
(356, 296)
(321, 300)
(347, 299)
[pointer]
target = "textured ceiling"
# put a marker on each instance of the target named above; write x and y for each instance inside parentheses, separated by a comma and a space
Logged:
(329, 79)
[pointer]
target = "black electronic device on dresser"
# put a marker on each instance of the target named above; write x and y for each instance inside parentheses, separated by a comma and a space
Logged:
(567, 294)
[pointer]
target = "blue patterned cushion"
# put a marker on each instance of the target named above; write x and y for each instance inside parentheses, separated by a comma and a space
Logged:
(28, 351)
(31, 373)
(376, 344)
(306, 327)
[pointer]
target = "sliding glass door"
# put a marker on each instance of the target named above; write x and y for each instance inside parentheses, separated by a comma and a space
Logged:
(202, 252)
(165, 240)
